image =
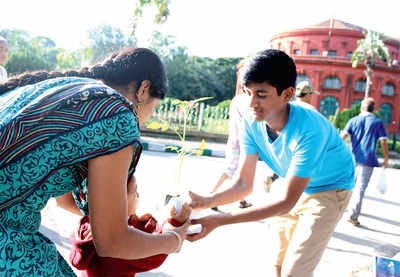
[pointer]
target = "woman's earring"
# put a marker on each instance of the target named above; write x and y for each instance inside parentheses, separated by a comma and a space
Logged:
(138, 106)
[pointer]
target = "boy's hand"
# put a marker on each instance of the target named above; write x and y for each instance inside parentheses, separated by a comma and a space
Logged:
(208, 224)
(200, 202)
(183, 214)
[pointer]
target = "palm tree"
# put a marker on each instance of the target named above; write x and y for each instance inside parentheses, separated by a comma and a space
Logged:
(370, 49)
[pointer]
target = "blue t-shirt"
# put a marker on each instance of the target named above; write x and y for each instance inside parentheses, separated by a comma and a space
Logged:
(308, 146)
(365, 130)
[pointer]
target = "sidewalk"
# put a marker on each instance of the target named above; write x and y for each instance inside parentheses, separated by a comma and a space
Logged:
(242, 249)
(379, 233)
(212, 149)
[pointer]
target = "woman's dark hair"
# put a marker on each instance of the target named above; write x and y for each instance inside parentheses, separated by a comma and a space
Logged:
(272, 66)
(120, 69)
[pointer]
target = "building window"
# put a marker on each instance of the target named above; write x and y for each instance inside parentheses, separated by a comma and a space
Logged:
(332, 82)
(388, 89)
(296, 52)
(355, 102)
(328, 106)
(314, 52)
(386, 113)
(302, 77)
(349, 54)
(360, 85)
(332, 53)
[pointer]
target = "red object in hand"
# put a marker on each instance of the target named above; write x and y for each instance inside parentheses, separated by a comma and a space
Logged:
(84, 257)
(145, 223)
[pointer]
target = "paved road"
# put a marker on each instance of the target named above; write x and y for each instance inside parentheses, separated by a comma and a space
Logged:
(243, 249)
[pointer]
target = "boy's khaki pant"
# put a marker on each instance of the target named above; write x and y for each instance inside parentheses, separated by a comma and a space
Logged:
(301, 236)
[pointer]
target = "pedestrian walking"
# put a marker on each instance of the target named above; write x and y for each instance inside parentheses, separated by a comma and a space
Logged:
(364, 131)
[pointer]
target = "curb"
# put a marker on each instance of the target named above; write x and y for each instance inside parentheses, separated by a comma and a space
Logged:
(189, 134)
(157, 147)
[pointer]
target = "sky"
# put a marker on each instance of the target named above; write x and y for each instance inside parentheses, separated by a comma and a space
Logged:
(212, 28)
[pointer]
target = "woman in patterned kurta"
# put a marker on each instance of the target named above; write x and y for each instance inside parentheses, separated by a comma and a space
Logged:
(59, 135)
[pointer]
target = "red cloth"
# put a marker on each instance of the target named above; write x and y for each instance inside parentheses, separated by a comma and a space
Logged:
(83, 254)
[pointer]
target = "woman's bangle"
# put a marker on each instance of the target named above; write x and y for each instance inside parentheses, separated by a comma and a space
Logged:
(172, 232)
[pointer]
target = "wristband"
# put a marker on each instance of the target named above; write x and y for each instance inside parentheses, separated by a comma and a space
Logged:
(172, 232)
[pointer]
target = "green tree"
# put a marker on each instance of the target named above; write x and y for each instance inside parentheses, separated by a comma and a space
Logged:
(106, 39)
(195, 77)
(217, 77)
(17, 39)
(47, 48)
(164, 46)
(29, 54)
(160, 17)
(189, 77)
(369, 51)
(70, 59)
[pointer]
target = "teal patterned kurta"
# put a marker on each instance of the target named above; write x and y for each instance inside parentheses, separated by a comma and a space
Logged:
(48, 132)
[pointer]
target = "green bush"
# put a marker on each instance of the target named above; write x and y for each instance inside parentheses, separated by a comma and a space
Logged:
(379, 152)
(397, 147)
(396, 166)
(224, 104)
(345, 115)
(390, 147)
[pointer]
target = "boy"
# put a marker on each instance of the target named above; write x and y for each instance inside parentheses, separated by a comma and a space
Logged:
(300, 145)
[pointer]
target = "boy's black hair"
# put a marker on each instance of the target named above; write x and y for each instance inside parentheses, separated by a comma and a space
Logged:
(272, 66)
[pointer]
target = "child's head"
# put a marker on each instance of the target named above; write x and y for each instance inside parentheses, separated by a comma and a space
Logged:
(133, 196)
(272, 66)
(3, 50)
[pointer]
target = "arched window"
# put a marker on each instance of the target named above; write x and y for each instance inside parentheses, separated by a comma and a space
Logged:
(386, 112)
(349, 54)
(302, 77)
(355, 102)
(388, 89)
(328, 106)
(332, 82)
(360, 85)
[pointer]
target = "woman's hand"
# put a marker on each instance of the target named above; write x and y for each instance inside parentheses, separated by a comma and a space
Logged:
(208, 223)
(183, 214)
(199, 202)
(178, 232)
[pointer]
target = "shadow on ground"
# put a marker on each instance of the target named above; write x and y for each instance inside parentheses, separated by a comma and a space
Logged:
(388, 221)
(379, 247)
(382, 200)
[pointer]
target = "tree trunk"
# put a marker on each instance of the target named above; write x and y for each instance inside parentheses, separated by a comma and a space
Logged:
(368, 81)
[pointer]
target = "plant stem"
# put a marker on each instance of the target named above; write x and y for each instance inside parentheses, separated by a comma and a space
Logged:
(182, 150)
(181, 156)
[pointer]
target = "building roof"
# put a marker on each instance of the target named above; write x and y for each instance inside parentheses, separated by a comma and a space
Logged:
(337, 24)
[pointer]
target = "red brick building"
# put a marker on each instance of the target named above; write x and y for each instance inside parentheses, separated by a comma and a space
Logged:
(322, 54)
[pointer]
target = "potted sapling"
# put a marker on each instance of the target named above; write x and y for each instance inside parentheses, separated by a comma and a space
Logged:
(177, 194)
